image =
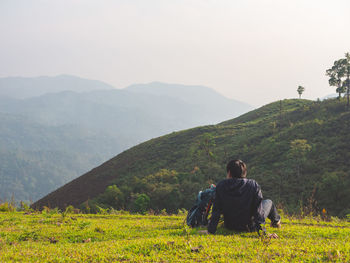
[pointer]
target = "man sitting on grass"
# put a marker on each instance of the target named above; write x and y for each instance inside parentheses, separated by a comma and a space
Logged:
(241, 202)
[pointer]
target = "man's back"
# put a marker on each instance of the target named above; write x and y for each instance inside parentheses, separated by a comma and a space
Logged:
(238, 199)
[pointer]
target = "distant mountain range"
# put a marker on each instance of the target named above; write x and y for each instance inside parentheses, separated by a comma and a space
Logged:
(22, 88)
(297, 150)
(53, 129)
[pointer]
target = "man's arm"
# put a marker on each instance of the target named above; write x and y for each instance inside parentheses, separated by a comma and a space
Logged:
(215, 216)
(259, 212)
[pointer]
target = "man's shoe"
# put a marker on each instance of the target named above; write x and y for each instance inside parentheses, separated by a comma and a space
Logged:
(276, 224)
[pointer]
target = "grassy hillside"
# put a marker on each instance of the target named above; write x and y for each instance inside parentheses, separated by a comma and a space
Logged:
(296, 149)
(51, 237)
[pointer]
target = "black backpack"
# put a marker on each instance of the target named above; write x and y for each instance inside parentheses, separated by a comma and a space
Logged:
(198, 214)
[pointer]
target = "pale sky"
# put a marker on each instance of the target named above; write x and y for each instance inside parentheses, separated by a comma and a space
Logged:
(256, 51)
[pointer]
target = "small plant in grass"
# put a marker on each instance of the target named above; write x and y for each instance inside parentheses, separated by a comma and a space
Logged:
(84, 224)
(24, 207)
(69, 210)
(102, 211)
(99, 230)
(182, 212)
(163, 212)
(30, 235)
(7, 207)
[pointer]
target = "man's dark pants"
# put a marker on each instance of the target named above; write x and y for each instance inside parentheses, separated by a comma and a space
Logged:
(270, 211)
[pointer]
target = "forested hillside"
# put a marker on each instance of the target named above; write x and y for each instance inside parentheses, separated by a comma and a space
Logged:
(53, 129)
(37, 158)
(297, 150)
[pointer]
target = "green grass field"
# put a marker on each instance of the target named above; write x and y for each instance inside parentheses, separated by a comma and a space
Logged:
(45, 237)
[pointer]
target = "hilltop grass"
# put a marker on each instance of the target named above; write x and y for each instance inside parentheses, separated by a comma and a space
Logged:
(45, 237)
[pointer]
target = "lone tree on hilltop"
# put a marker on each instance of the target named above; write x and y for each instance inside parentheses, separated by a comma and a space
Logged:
(300, 91)
(339, 76)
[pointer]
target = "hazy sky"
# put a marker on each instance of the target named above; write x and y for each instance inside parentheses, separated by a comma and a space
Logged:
(256, 51)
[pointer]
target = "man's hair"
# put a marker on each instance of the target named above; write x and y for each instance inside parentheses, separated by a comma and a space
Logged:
(237, 168)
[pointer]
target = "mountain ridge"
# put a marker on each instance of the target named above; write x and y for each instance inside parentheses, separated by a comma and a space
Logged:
(43, 134)
(26, 87)
(196, 157)
(188, 93)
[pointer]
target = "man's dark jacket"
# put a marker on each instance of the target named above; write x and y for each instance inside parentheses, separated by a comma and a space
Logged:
(239, 200)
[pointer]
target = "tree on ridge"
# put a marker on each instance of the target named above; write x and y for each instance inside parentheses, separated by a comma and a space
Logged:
(339, 76)
(300, 91)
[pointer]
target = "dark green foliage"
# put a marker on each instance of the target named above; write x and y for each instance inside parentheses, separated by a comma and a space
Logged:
(141, 203)
(339, 75)
(112, 197)
(333, 192)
